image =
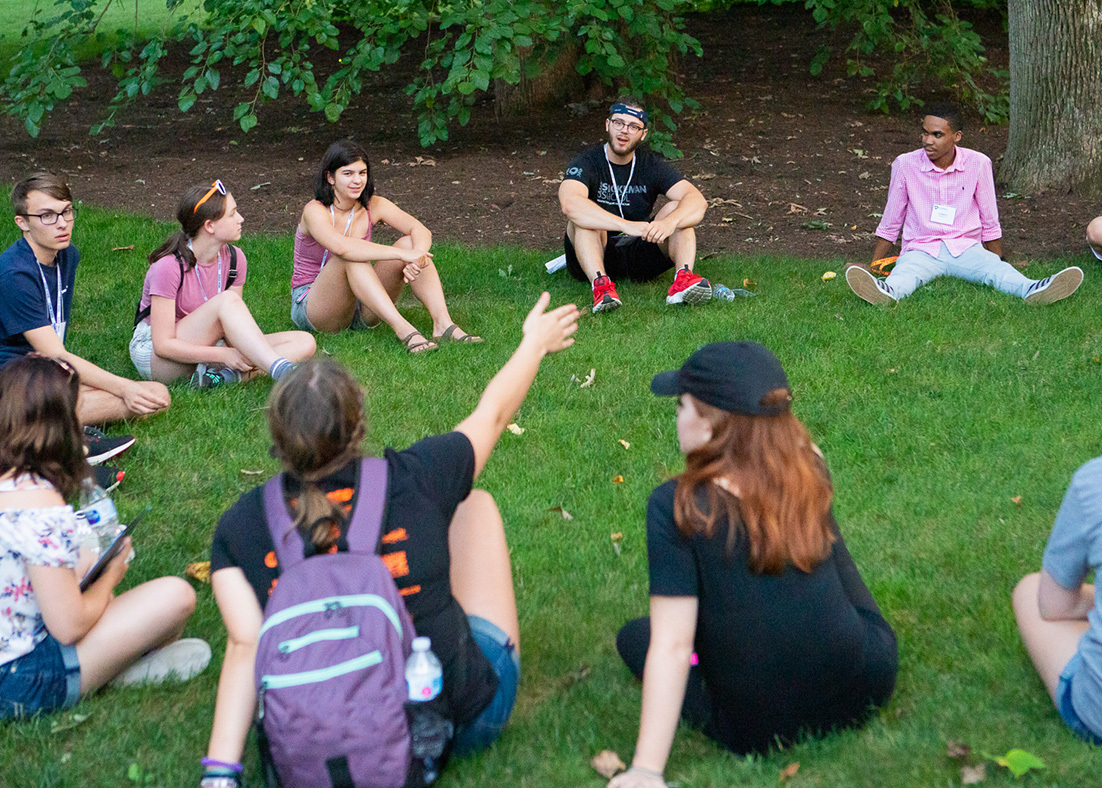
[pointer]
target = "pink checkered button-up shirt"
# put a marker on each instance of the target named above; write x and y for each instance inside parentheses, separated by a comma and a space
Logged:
(917, 185)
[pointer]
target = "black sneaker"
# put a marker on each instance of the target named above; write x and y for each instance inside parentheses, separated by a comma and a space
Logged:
(99, 447)
(107, 476)
(206, 378)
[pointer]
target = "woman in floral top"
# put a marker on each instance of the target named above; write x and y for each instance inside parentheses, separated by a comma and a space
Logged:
(57, 642)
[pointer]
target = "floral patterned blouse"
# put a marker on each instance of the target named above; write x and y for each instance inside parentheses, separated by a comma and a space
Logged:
(48, 536)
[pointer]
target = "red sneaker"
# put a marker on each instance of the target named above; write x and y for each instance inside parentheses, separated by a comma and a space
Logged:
(688, 288)
(605, 298)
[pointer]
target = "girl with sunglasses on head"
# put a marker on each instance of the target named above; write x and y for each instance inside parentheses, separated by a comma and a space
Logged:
(191, 319)
(343, 279)
(760, 626)
(56, 641)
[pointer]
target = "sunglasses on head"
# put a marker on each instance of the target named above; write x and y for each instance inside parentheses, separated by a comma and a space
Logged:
(217, 186)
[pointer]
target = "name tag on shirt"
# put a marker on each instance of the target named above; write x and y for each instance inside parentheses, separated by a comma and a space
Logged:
(943, 214)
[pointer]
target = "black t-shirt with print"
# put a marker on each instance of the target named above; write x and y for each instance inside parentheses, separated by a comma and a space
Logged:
(639, 190)
(780, 654)
(425, 484)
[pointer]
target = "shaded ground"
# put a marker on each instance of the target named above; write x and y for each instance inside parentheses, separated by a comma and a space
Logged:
(792, 164)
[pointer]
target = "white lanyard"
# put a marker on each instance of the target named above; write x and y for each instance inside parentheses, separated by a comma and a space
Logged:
(347, 227)
(56, 315)
(615, 186)
(203, 290)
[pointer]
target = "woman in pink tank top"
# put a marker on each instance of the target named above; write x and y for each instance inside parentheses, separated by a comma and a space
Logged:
(342, 279)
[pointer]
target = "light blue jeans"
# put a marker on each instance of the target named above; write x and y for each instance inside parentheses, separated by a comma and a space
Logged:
(975, 264)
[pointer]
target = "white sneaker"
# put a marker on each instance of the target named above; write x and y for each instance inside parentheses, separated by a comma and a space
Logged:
(180, 660)
(867, 287)
(1055, 287)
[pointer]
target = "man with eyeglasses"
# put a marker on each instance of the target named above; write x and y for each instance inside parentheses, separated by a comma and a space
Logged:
(37, 276)
(608, 194)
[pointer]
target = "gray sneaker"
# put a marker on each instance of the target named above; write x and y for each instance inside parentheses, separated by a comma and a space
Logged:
(868, 287)
(180, 660)
(1055, 287)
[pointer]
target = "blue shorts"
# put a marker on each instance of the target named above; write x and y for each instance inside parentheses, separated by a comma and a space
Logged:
(1063, 703)
(484, 729)
(300, 295)
(46, 679)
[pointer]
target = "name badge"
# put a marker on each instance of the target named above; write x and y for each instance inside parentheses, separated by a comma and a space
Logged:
(943, 214)
(59, 329)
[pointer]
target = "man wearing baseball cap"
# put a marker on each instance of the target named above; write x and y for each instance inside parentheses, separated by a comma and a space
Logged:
(608, 195)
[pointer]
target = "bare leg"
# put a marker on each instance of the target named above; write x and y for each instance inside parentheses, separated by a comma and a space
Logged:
(143, 618)
(1051, 644)
(681, 246)
(96, 406)
(1094, 234)
(292, 345)
(589, 246)
(481, 576)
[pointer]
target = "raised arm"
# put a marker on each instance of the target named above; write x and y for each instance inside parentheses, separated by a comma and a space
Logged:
(544, 332)
(583, 212)
(673, 628)
(319, 224)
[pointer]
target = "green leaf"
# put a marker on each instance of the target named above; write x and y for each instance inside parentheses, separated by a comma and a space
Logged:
(1019, 762)
(213, 78)
(332, 112)
(248, 121)
(187, 101)
(134, 773)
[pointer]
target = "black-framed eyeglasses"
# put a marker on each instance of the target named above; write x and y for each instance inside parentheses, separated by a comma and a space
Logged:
(217, 186)
(619, 125)
(50, 218)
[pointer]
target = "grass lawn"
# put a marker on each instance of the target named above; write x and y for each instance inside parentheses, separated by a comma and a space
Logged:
(933, 416)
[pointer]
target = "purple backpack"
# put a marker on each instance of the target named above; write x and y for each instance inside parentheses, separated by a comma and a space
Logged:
(330, 661)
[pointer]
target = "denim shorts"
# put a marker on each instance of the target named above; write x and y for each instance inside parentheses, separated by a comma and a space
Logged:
(1063, 703)
(484, 729)
(299, 297)
(46, 679)
(141, 350)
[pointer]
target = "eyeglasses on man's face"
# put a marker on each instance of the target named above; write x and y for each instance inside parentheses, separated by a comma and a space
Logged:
(620, 125)
(50, 218)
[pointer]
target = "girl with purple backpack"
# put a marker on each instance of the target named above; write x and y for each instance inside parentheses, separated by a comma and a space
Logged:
(443, 542)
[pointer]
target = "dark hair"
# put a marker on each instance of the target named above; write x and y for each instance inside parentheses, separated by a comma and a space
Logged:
(38, 422)
(191, 222)
(776, 487)
(44, 182)
(949, 113)
(340, 154)
(316, 417)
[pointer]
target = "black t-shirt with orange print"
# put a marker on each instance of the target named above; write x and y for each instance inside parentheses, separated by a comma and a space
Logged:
(425, 484)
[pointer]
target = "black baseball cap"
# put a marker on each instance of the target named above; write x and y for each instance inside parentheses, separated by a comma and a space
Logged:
(732, 376)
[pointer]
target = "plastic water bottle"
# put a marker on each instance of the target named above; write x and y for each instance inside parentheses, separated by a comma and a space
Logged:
(424, 676)
(97, 508)
(723, 293)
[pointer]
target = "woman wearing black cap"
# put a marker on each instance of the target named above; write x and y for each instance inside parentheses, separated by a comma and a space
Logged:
(760, 626)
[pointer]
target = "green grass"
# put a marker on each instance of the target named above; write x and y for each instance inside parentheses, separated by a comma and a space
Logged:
(933, 415)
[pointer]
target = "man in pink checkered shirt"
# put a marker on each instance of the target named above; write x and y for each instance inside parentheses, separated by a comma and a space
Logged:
(942, 197)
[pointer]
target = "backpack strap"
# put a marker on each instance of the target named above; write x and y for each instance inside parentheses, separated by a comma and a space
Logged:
(231, 277)
(141, 314)
(365, 525)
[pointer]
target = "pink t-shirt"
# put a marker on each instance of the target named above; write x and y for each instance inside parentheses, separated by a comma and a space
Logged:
(199, 284)
(309, 254)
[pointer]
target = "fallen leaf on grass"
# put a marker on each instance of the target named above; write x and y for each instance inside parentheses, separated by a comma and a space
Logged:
(515, 428)
(749, 284)
(200, 570)
(624, 443)
(247, 472)
(971, 775)
(617, 479)
(829, 275)
(608, 764)
(1018, 761)
(581, 674)
(565, 514)
(73, 720)
(616, 539)
(122, 248)
(956, 749)
(1017, 499)
(589, 379)
(788, 772)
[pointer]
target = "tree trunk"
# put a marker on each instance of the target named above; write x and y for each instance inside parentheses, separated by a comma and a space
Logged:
(1055, 137)
(557, 80)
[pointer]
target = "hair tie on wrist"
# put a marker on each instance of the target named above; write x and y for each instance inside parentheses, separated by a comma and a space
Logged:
(645, 770)
(236, 768)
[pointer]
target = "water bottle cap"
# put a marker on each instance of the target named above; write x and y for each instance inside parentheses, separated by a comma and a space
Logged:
(422, 644)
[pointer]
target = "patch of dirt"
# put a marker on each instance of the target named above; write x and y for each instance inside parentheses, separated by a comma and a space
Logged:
(792, 164)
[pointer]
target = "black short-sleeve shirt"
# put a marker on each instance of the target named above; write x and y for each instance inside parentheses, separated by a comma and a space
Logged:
(425, 484)
(23, 296)
(779, 653)
(639, 190)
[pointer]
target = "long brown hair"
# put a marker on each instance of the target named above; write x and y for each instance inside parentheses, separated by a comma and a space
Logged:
(777, 488)
(191, 222)
(38, 422)
(316, 417)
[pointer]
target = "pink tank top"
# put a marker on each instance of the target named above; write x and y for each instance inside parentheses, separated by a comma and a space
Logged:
(310, 256)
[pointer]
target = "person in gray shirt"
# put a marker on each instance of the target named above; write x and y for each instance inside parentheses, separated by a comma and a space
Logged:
(1060, 617)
